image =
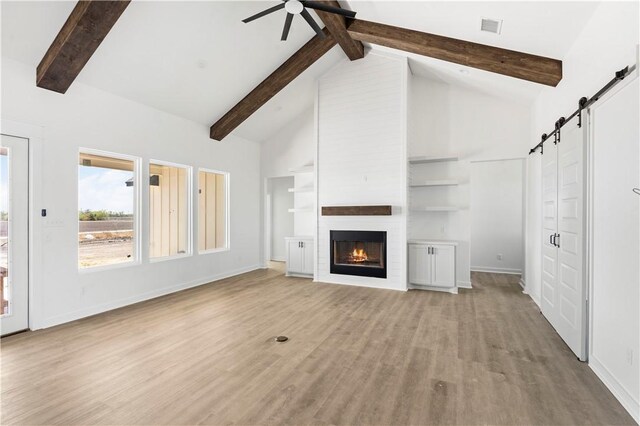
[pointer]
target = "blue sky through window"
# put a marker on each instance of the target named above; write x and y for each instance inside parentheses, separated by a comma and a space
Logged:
(104, 189)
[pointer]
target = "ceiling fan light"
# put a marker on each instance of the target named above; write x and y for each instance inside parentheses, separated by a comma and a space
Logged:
(294, 6)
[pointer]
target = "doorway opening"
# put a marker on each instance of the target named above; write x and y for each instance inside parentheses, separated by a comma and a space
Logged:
(279, 219)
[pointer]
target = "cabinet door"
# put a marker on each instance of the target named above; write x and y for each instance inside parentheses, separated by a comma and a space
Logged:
(444, 266)
(307, 248)
(295, 259)
(419, 265)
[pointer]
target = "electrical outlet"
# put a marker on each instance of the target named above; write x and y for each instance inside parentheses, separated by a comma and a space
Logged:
(442, 230)
(499, 256)
(630, 356)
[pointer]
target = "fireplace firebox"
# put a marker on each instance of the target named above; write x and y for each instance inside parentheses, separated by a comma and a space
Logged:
(362, 253)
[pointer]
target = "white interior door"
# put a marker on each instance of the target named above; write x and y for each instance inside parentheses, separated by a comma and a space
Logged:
(14, 237)
(614, 337)
(570, 321)
(549, 228)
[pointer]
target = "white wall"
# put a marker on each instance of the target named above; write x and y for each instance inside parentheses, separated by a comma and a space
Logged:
(533, 228)
(362, 158)
(607, 43)
(497, 215)
(281, 219)
(446, 119)
(90, 118)
(291, 147)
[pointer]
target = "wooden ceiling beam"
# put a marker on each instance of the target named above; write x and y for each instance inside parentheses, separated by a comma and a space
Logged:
(87, 25)
(337, 26)
(520, 65)
(313, 50)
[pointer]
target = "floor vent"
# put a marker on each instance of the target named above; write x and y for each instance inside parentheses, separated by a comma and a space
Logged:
(491, 25)
(281, 339)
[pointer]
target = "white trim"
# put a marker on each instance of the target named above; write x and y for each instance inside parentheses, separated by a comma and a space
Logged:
(464, 284)
(137, 209)
(450, 290)
(215, 250)
(227, 219)
(97, 309)
(190, 210)
(617, 389)
(494, 270)
(523, 284)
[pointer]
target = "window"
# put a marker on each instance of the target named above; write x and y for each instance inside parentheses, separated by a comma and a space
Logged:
(107, 200)
(213, 210)
(169, 212)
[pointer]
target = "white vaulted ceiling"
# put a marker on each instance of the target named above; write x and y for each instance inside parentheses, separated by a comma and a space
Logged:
(197, 59)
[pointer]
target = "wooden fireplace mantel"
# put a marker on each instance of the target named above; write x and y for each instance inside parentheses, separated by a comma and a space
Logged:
(356, 211)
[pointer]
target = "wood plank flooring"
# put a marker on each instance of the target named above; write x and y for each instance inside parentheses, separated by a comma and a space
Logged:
(355, 356)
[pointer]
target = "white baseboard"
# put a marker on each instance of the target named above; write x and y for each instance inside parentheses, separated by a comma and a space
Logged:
(278, 259)
(98, 309)
(523, 284)
(452, 290)
(617, 389)
(496, 270)
(464, 284)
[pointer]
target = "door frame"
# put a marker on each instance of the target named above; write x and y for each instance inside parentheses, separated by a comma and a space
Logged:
(35, 139)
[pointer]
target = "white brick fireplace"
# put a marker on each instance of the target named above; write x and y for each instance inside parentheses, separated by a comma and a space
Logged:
(362, 160)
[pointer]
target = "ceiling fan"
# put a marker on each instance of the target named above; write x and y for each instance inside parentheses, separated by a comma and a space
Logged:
(299, 7)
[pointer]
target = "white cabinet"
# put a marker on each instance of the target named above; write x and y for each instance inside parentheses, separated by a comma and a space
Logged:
(444, 265)
(432, 264)
(300, 256)
(419, 264)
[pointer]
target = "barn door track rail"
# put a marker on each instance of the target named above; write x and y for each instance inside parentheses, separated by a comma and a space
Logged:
(583, 103)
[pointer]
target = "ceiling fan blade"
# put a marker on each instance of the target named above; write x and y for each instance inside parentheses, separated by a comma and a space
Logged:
(287, 25)
(263, 13)
(326, 8)
(307, 17)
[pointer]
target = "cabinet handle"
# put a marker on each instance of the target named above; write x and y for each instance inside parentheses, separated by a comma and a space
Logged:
(551, 239)
(557, 243)
(301, 244)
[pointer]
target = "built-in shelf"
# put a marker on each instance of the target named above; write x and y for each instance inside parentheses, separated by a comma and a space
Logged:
(302, 169)
(435, 183)
(301, 210)
(302, 189)
(423, 159)
(436, 209)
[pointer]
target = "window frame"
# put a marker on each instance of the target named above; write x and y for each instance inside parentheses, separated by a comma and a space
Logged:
(137, 209)
(227, 221)
(189, 244)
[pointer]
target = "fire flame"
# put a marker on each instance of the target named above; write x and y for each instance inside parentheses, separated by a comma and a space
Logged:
(359, 255)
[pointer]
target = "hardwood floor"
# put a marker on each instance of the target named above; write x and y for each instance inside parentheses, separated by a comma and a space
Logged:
(355, 356)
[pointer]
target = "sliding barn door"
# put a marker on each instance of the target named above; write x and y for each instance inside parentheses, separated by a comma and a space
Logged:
(563, 228)
(549, 229)
(570, 321)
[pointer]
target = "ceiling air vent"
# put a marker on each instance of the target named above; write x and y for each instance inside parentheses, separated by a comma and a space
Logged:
(491, 25)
